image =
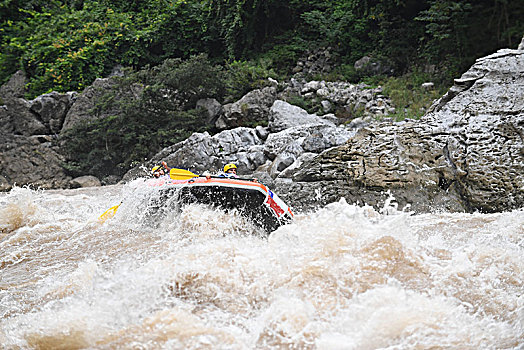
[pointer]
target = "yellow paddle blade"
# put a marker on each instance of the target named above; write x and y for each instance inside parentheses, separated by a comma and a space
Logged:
(108, 214)
(181, 174)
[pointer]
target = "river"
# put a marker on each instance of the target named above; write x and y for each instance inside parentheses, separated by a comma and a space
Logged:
(340, 277)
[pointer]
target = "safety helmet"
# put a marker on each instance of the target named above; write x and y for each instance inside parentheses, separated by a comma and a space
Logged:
(229, 166)
(155, 168)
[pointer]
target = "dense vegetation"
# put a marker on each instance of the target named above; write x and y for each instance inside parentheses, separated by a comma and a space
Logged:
(64, 45)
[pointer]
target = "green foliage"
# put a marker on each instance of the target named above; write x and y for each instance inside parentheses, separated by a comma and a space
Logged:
(407, 95)
(63, 48)
(284, 56)
(242, 26)
(67, 49)
(65, 44)
(458, 32)
(186, 81)
(243, 76)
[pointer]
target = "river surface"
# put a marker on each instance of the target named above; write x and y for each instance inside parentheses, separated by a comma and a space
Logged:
(340, 277)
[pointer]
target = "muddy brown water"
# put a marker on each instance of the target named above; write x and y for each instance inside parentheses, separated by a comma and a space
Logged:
(341, 277)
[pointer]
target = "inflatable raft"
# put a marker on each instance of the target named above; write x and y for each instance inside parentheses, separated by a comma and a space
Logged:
(252, 199)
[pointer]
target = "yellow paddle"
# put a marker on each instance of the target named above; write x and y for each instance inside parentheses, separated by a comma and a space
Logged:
(181, 174)
(108, 214)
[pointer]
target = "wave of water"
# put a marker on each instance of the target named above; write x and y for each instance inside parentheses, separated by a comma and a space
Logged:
(342, 277)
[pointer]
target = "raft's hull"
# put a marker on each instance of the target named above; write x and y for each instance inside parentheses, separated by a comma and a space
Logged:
(252, 199)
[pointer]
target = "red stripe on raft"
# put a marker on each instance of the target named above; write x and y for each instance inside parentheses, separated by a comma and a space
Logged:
(273, 205)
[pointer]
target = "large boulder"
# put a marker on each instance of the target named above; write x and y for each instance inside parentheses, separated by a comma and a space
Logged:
(14, 87)
(465, 155)
(310, 137)
(52, 108)
(251, 109)
(373, 66)
(283, 115)
(86, 107)
(212, 107)
(17, 118)
(85, 181)
(30, 161)
(299, 133)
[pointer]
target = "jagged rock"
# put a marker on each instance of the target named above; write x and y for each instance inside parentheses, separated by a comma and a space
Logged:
(358, 123)
(203, 152)
(52, 109)
(17, 118)
(250, 109)
(362, 62)
(289, 171)
(465, 155)
(85, 109)
(341, 96)
(326, 106)
(310, 137)
(85, 181)
(283, 115)
(5, 121)
(4, 184)
(373, 66)
(14, 87)
(281, 162)
(320, 61)
(110, 180)
(26, 161)
(213, 108)
(262, 132)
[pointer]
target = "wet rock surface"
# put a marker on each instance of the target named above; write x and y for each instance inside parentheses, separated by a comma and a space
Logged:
(467, 154)
(30, 160)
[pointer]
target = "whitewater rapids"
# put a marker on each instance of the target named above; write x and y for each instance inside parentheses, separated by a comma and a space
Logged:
(341, 277)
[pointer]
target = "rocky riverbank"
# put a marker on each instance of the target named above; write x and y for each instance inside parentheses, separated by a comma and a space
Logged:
(465, 154)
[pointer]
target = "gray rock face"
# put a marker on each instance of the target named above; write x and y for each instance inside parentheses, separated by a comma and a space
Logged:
(467, 154)
(85, 181)
(30, 160)
(52, 109)
(310, 137)
(372, 66)
(342, 97)
(283, 115)
(14, 87)
(42, 116)
(203, 152)
(251, 108)
(316, 62)
(257, 149)
(17, 118)
(213, 108)
(85, 104)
